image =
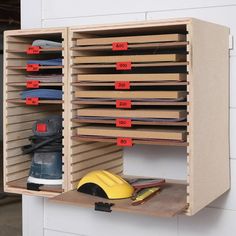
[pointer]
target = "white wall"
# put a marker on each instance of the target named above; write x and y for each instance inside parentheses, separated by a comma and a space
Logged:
(44, 217)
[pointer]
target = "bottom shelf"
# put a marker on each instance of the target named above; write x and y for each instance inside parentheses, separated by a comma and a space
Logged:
(169, 202)
(20, 186)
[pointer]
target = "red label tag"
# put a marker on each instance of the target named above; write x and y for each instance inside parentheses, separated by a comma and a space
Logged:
(32, 67)
(33, 50)
(32, 84)
(41, 128)
(124, 85)
(123, 123)
(123, 65)
(123, 104)
(119, 46)
(125, 142)
(32, 101)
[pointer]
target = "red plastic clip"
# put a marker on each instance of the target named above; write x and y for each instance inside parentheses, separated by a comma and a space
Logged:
(123, 65)
(126, 123)
(122, 85)
(32, 67)
(41, 128)
(32, 84)
(124, 142)
(119, 46)
(123, 104)
(33, 50)
(32, 101)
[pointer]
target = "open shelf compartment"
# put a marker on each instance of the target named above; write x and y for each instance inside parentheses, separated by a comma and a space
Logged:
(19, 115)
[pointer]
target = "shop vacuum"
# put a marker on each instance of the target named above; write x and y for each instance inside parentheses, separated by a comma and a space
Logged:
(46, 150)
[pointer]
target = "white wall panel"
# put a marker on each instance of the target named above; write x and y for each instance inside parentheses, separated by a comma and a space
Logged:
(33, 215)
(221, 15)
(91, 20)
(233, 81)
(73, 8)
(156, 161)
(31, 14)
(208, 222)
(227, 201)
(48, 232)
(233, 133)
(84, 221)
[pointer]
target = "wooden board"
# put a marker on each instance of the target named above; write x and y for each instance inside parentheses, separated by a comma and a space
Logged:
(132, 39)
(131, 58)
(139, 133)
(168, 203)
(131, 94)
(113, 121)
(132, 84)
(137, 113)
(134, 140)
(208, 165)
(41, 84)
(40, 101)
(138, 65)
(135, 103)
(132, 46)
(131, 77)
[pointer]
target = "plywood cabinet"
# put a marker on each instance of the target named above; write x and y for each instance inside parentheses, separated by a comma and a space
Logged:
(154, 83)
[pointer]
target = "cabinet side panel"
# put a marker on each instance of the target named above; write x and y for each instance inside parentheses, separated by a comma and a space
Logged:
(208, 114)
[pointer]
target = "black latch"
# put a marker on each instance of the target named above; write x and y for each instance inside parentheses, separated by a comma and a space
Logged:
(33, 186)
(103, 206)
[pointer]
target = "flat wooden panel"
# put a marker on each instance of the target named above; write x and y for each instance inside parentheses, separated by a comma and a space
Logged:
(137, 113)
(132, 58)
(169, 202)
(131, 39)
(208, 114)
(141, 133)
(131, 94)
(131, 77)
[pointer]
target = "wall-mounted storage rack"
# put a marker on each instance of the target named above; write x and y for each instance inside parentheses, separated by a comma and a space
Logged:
(162, 83)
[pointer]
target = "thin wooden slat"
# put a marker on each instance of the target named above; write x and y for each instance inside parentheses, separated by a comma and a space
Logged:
(131, 94)
(132, 84)
(102, 166)
(18, 159)
(17, 175)
(132, 46)
(40, 67)
(137, 113)
(113, 121)
(139, 133)
(131, 77)
(113, 65)
(41, 101)
(94, 102)
(135, 141)
(41, 50)
(19, 135)
(42, 84)
(18, 167)
(81, 149)
(131, 58)
(94, 153)
(131, 39)
(106, 158)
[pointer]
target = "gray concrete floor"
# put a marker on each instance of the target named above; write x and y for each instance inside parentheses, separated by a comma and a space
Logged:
(10, 217)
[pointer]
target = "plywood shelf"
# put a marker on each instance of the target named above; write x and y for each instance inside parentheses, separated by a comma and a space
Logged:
(169, 202)
(135, 141)
(22, 101)
(139, 46)
(41, 84)
(43, 50)
(21, 184)
(135, 103)
(40, 67)
(113, 121)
